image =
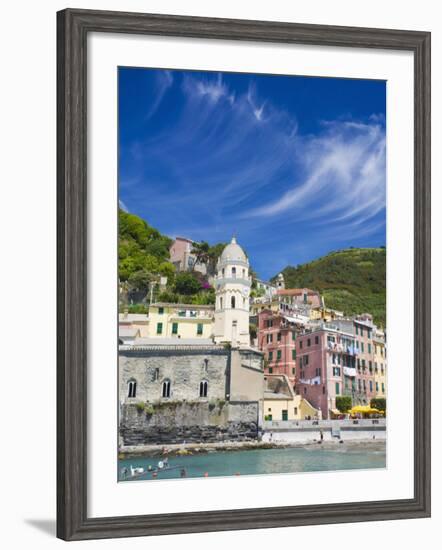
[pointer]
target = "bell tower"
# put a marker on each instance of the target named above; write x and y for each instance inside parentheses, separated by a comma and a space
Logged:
(232, 306)
(280, 283)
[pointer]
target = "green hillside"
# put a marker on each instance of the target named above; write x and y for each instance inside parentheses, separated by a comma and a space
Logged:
(351, 280)
(143, 256)
(142, 250)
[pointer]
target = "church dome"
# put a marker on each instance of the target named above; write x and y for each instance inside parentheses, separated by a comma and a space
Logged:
(233, 252)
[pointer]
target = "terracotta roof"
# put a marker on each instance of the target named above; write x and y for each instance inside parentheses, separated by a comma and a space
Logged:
(184, 239)
(296, 291)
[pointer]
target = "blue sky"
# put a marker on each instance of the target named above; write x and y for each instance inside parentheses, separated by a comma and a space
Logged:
(294, 166)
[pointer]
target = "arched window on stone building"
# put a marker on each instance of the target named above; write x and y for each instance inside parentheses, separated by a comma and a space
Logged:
(232, 302)
(132, 388)
(166, 388)
(234, 272)
(203, 388)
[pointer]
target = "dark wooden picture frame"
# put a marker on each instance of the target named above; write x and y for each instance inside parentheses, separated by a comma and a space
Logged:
(73, 27)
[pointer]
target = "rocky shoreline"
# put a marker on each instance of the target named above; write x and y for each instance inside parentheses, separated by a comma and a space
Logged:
(229, 446)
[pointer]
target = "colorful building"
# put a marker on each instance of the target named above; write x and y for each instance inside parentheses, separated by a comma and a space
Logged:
(264, 289)
(364, 329)
(380, 363)
(281, 403)
(180, 321)
(345, 357)
(295, 301)
(277, 339)
(299, 297)
(182, 258)
(326, 360)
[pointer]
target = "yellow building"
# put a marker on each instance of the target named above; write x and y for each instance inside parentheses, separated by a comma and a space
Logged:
(276, 305)
(380, 364)
(263, 304)
(181, 321)
(281, 403)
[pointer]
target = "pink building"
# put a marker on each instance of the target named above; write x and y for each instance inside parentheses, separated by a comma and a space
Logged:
(299, 297)
(326, 360)
(277, 338)
(335, 360)
(364, 332)
(181, 256)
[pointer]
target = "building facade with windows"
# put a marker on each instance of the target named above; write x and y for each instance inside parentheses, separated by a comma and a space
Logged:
(182, 258)
(169, 393)
(364, 331)
(276, 339)
(341, 358)
(299, 297)
(181, 321)
(380, 363)
(281, 403)
(172, 372)
(326, 367)
(264, 289)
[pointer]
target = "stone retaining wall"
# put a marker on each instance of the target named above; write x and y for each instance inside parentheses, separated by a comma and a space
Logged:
(191, 422)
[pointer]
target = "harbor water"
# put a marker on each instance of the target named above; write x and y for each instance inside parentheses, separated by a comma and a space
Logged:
(311, 458)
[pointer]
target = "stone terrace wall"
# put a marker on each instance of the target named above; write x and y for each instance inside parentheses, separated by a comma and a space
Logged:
(192, 422)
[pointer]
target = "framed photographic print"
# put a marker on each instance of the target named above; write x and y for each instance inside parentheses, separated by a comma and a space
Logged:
(243, 274)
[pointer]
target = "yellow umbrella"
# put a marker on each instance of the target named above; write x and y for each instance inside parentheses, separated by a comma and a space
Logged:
(364, 409)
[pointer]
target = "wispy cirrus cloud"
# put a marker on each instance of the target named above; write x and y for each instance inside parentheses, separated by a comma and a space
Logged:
(258, 110)
(344, 166)
(208, 88)
(122, 205)
(231, 159)
(164, 81)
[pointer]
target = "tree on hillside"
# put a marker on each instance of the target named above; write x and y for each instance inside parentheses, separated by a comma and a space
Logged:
(215, 252)
(201, 252)
(140, 280)
(187, 284)
(141, 248)
(351, 280)
(207, 254)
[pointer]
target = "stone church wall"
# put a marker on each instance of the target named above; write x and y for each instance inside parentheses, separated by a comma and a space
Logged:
(184, 368)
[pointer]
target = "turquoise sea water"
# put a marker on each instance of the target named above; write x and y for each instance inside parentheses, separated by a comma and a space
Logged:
(261, 461)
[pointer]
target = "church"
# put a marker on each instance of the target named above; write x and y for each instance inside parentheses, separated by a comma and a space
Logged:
(195, 378)
(232, 307)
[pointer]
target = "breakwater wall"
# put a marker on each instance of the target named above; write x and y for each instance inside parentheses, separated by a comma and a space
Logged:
(306, 431)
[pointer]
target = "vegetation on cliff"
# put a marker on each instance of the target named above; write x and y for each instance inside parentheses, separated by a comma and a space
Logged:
(351, 280)
(143, 258)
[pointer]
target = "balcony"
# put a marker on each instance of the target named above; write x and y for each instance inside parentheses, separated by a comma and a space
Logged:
(349, 371)
(192, 314)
